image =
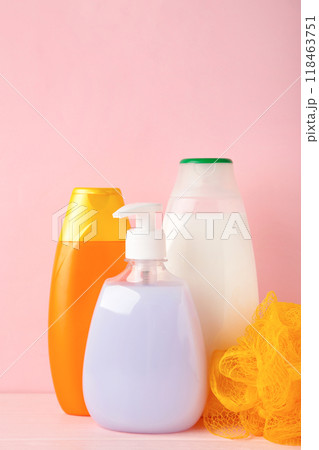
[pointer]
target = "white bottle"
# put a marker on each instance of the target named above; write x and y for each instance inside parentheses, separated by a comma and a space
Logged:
(145, 365)
(215, 256)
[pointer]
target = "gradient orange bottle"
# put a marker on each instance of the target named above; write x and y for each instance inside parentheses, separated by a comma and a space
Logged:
(89, 251)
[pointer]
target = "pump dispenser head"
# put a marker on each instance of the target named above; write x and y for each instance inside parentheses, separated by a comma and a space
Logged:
(144, 241)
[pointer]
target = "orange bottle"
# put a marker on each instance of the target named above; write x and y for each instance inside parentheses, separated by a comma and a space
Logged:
(89, 251)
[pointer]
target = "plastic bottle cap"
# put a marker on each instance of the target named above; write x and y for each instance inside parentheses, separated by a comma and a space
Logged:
(144, 241)
(206, 161)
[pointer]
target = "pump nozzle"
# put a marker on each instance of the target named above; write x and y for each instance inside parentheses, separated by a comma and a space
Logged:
(142, 241)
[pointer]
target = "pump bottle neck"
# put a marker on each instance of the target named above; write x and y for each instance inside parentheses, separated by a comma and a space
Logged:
(145, 271)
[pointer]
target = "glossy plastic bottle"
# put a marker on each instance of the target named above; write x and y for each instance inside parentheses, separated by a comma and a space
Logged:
(210, 246)
(145, 365)
(88, 252)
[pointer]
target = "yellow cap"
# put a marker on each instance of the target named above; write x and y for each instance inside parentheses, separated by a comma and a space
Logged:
(89, 215)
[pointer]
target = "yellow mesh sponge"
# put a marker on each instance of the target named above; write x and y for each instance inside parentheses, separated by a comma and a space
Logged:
(255, 385)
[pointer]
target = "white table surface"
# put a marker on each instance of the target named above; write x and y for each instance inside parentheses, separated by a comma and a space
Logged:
(36, 421)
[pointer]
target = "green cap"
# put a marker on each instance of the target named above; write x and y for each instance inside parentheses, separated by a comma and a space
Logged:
(205, 160)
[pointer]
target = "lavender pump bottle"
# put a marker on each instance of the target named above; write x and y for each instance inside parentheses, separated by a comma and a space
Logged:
(145, 365)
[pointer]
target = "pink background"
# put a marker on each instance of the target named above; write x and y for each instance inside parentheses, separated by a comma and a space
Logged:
(135, 86)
